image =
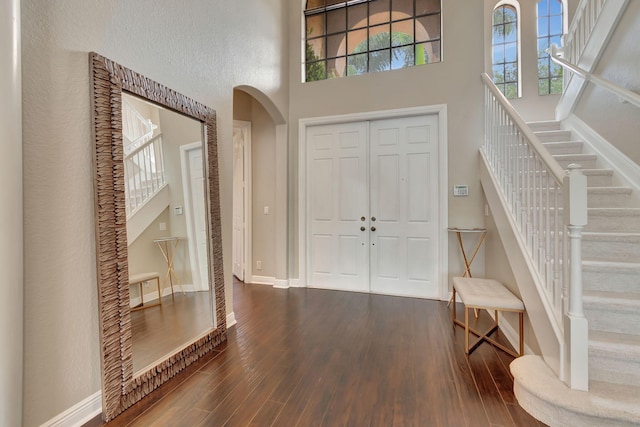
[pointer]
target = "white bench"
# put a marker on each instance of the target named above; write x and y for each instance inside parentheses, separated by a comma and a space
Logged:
(139, 279)
(486, 294)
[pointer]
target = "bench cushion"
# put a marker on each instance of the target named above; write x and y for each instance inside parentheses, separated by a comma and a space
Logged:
(143, 277)
(486, 293)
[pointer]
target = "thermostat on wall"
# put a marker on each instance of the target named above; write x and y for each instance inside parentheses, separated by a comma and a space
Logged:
(460, 190)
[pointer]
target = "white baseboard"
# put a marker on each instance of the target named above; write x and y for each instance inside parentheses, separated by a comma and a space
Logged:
(79, 413)
(153, 296)
(262, 280)
(626, 168)
(231, 319)
(295, 283)
(281, 284)
(510, 334)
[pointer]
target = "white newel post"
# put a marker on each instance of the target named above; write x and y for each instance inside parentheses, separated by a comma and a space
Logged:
(576, 328)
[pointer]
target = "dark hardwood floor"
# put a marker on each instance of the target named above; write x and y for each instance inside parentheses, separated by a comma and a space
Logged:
(159, 330)
(308, 357)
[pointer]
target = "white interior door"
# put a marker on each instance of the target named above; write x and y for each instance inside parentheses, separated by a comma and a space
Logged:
(338, 206)
(193, 178)
(238, 204)
(380, 176)
(403, 206)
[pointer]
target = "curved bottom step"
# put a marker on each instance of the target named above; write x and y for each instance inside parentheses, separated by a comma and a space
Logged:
(545, 397)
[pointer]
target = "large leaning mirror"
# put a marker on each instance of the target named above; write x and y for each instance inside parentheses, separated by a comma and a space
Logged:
(158, 234)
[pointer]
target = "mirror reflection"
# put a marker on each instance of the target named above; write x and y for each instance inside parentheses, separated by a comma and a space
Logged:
(171, 300)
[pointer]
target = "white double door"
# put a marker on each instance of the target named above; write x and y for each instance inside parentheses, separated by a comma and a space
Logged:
(372, 209)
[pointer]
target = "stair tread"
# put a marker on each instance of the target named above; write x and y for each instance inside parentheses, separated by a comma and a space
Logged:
(604, 400)
(627, 344)
(597, 171)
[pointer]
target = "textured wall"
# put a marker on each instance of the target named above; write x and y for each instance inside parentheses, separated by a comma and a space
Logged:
(617, 122)
(200, 48)
(10, 216)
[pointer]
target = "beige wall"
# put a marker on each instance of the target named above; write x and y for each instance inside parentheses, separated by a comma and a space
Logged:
(499, 269)
(145, 256)
(11, 222)
(203, 51)
(617, 122)
(455, 82)
(263, 140)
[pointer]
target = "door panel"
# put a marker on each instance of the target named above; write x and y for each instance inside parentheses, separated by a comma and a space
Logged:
(337, 188)
(238, 204)
(385, 171)
(403, 202)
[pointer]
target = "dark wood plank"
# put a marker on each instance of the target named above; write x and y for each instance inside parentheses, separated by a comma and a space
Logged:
(310, 357)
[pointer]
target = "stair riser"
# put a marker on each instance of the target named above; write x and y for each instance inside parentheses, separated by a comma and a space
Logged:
(585, 163)
(612, 223)
(555, 136)
(611, 201)
(610, 251)
(544, 126)
(564, 148)
(604, 366)
(610, 281)
(604, 318)
(599, 180)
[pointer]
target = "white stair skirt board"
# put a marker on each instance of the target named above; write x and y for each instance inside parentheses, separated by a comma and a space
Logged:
(625, 168)
(147, 213)
(231, 319)
(509, 333)
(79, 413)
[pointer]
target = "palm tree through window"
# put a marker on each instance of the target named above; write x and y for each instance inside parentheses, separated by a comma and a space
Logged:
(550, 30)
(505, 50)
(363, 36)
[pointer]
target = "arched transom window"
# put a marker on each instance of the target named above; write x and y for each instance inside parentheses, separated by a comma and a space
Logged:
(550, 30)
(505, 50)
(363, 36)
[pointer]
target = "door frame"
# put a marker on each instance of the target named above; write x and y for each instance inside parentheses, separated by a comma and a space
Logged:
(245, 127)
(303, 204)
(189, 215)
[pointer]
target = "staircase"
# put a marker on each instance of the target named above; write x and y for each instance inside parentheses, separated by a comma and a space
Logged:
(611, 281)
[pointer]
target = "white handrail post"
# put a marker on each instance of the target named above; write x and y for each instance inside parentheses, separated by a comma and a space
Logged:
(576, 328)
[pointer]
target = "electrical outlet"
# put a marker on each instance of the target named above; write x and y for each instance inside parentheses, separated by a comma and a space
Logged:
(146, 284)
(259, 265)
(163, 226)
(266, 210)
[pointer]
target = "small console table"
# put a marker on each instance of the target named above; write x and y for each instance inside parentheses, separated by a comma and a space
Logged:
(168, 246)
(482, 233)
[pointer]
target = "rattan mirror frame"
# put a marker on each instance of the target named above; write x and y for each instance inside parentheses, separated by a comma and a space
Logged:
(120, 389)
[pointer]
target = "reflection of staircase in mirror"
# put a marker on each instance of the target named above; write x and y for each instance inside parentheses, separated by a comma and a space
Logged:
(146, 192)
